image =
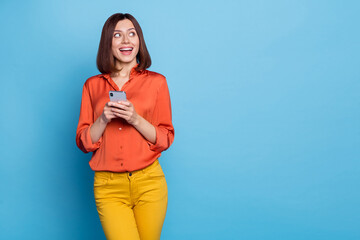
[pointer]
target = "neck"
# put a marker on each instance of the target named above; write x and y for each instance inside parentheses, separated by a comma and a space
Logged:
(124, 69)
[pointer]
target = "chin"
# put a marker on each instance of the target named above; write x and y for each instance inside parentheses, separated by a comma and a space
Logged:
(126, 61)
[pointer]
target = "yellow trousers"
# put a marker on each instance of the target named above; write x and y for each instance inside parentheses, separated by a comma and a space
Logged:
(132, 205)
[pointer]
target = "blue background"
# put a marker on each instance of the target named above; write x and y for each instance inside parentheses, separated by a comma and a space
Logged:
(265, 98)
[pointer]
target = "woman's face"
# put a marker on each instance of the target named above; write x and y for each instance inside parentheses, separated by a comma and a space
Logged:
(125, 42)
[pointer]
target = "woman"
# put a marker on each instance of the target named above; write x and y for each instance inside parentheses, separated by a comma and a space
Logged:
(126, 137)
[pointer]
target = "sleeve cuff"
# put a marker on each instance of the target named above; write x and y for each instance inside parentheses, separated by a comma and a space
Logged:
(87, 142)
(161, 142)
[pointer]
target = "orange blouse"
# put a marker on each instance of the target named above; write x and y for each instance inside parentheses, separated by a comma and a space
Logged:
(122, 148)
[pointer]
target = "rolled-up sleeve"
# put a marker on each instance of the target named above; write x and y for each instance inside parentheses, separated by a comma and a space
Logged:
(162, 120)
(86, 119)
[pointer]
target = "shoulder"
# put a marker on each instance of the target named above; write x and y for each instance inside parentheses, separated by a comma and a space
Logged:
(154, 76)
(94, 80)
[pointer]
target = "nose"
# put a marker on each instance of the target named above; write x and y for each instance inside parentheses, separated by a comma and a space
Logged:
(125, 39)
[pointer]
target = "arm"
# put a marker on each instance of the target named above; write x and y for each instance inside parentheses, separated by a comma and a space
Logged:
(86, 119)
(162, 120)
(159, 133)
(97, 129)
(89, 133)
(127, 111)
(146, 129)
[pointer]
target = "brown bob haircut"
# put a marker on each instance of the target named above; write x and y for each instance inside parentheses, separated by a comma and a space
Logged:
(105, 60)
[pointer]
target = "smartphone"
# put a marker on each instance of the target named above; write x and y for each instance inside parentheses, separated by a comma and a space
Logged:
(116, 96)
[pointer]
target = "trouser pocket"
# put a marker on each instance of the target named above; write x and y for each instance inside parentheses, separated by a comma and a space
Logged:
(154, 170)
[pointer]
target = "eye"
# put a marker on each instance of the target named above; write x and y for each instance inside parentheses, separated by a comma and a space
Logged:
(131, 34)
(117, 35)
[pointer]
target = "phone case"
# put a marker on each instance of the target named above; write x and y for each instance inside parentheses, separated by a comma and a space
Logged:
(117, 96)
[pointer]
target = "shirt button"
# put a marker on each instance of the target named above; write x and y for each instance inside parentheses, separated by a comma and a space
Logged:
(120, 147)
(130, 174)
(120, 129)
(122, 164)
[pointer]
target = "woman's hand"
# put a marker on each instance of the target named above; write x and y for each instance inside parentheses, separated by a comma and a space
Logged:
(124, 110)
(107, 114)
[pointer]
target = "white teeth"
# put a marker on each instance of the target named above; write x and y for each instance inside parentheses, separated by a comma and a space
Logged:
(125, 49)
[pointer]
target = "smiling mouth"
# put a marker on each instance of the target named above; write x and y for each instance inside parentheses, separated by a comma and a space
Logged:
(126, 51)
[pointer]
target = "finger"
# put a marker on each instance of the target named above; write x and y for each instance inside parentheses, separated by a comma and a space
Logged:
(110, 115)
(110, 104)
(125, 103)
(123, 116)
(124, 108)
(108, 111)
(118, 110)
(116, 105)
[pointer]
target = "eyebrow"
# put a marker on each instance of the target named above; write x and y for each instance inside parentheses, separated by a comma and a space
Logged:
(121, 31)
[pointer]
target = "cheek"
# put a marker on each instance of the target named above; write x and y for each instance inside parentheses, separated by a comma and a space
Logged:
(113, 50)
(136, 42)
(114, 46)
(115, 42)
(137, 48)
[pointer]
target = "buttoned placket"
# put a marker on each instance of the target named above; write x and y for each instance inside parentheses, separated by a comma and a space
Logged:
(121, 147)
(116, 88)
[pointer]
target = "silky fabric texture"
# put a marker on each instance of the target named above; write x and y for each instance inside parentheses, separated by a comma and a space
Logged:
(132, 205)
(122, 148)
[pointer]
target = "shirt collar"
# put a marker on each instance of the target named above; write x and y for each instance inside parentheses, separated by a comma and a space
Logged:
(133, 72)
